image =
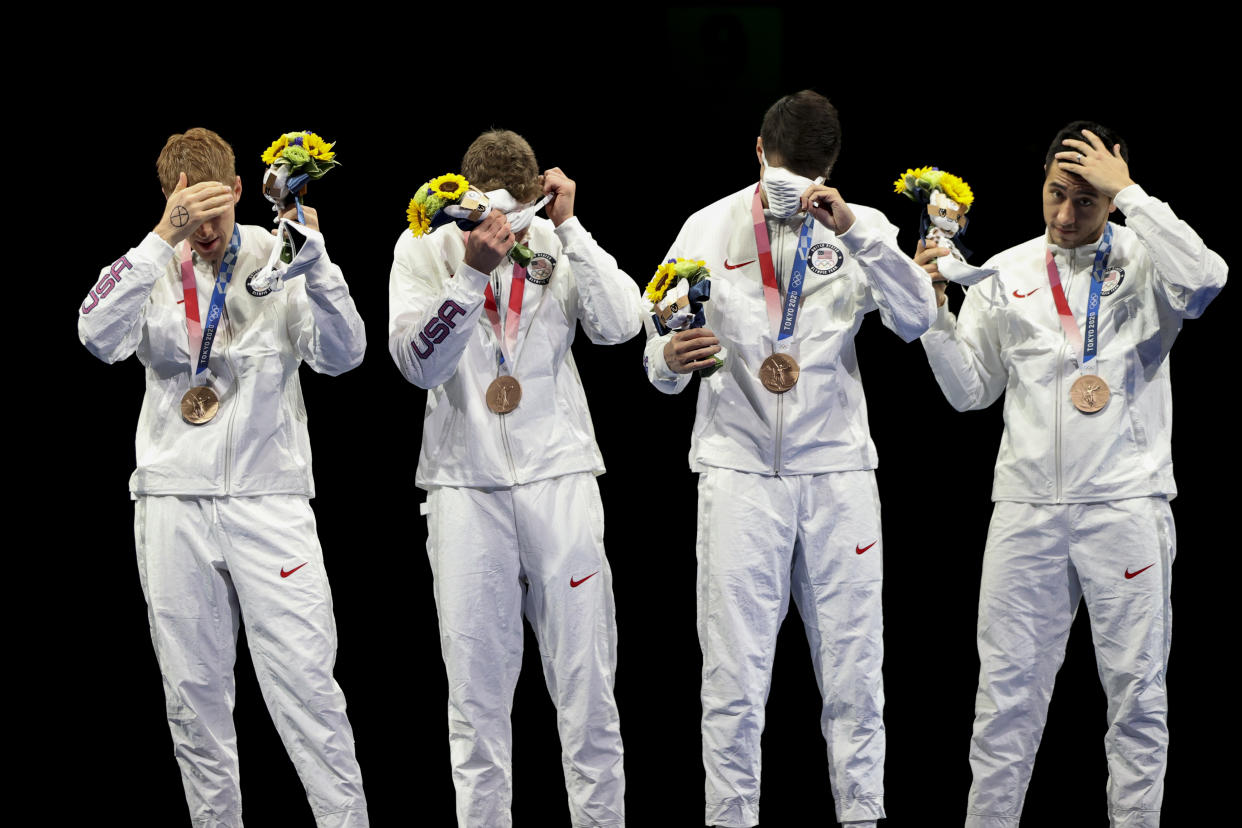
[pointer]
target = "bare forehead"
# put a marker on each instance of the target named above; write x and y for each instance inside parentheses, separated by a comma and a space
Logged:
(1068, 183)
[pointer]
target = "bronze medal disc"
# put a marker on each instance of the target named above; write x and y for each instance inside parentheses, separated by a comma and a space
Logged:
(1089, 393)
(199, 405)
(779, 373)
(503, 395)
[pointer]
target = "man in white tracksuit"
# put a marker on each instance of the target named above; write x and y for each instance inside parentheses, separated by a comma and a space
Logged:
(514, 520)
(1076, 328)
(223, 524)
(787, 494)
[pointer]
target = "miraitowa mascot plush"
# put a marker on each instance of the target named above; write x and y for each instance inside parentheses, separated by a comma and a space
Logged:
(948, 199)
(451, 198)
(675, 297)
(294, 159)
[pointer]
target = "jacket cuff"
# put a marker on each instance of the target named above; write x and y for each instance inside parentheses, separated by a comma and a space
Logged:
(158, 251)
(862, 233)
(656, 363)
(569, 230)
(944, 322)
(1129, 198)
(311, 259)
(475, 279)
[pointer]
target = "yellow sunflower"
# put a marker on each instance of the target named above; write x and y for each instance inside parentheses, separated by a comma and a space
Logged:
(907, 180)
(318, 148)
(665, 277)
(420, 222)
(450, 186)
(956, 189)
(273, 152)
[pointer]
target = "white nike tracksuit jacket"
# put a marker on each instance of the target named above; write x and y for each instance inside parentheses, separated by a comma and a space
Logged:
(787, 495)
(1081, 499)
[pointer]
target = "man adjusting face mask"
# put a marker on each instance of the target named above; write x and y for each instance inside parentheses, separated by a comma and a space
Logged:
(519, 215)
(784, 188)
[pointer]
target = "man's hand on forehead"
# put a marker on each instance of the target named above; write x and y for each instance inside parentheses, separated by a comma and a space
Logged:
(1090, 160)
(188, 207)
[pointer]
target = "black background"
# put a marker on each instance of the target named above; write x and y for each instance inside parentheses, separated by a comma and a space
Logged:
(654, 115)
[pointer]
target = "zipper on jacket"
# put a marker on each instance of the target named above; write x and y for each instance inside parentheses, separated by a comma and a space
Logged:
(780, 424)
(504, 441)
(502, 307)
(777, 246)
(228, 432)
(1057, 399)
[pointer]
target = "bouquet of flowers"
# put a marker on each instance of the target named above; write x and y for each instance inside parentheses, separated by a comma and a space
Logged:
(676, 295)
(948, 199)
(451, 198)
(293, 159)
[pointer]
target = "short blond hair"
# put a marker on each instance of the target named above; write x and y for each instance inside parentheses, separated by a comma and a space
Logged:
(199, 153)
(500, 159)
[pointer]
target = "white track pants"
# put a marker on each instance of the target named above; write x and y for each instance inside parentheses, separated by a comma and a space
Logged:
(1041, 560)
(204, 561)
(759, 539)
(537, 548)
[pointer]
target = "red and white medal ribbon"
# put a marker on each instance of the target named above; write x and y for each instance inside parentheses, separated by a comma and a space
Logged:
(783, 320)
(189, 290)
(771, 290)
(506, 339)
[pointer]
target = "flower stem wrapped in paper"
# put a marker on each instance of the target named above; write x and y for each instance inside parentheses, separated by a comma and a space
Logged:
(676, 295)
(293, 159)
(948, 199)
(451, 198)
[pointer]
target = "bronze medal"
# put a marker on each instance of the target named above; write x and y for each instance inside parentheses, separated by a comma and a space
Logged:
(504, 394)
(199, 405)
(1089, 393)
(779, 373)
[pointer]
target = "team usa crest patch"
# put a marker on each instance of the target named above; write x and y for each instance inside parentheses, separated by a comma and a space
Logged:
(250, 285)
(825, 258)
(1113, 277)
(539, 271)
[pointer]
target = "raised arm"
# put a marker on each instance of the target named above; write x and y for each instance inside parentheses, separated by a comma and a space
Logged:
(324, 325)
(1188, 274)
(433, 309)
(607, 300)
(110, 318)
(964, 352)
(899, 289)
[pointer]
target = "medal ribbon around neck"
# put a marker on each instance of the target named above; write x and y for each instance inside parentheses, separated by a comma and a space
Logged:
(202, 337)
(1086, 349)
(783, 321)
(506, 340)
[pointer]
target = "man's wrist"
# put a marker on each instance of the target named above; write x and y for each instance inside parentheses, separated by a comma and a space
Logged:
(167, 234)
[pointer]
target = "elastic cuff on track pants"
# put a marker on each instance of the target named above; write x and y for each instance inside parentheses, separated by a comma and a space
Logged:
(1134, 819)
(348, 818)
(733, 813)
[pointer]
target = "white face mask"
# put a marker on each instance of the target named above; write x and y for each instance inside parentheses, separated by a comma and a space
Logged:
(784, 188)
(519, 215)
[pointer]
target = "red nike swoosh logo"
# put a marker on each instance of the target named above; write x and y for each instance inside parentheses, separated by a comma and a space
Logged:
(573, 583)
(1017, 295)
(862, 549)
(736, 266)
(1130, 574)
(284, 574)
